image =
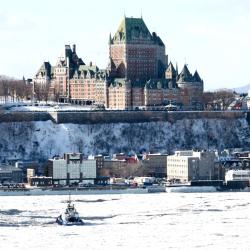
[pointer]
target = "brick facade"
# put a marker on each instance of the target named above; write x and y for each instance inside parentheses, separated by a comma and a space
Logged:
(138, 74)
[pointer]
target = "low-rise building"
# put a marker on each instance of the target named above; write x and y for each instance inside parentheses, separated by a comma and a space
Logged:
(10, 174)
(237, 175)
(40, 181)
(114, 168)
(99, 164)
(25, 164)
(30, 173)
(156, 165)
(120, 168)
(72, 168)
(190, 165)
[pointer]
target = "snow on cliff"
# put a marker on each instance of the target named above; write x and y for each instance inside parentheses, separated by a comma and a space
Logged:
(42, 140)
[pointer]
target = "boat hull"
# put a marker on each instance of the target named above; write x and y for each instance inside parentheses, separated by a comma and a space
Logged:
(63, 222)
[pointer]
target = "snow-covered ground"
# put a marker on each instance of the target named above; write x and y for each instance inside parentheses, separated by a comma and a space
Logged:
(47, 107)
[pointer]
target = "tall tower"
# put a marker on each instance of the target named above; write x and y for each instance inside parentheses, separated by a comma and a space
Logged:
(135, 53)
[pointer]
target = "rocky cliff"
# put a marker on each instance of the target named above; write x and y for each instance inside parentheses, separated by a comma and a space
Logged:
(44, 139)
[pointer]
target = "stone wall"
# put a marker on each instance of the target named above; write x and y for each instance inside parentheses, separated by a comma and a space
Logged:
(142, 116)
(93, 117)
(24, 116)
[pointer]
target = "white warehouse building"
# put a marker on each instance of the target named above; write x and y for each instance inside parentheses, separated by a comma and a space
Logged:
(190, 165)
(72, 168)
(237, 175)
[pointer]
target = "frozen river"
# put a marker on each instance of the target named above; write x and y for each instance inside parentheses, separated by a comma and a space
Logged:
(128, 221)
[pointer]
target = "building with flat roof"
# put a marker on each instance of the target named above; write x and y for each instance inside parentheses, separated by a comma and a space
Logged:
(156, 165)
(72, 168)
(10, 174)
(190, 165)
(40, 181)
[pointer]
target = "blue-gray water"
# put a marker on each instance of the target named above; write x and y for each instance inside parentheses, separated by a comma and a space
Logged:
(128, 221)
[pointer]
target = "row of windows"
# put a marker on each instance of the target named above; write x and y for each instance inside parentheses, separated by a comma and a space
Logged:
(171, 165)
(62, 70)
(177, 172)
(176, 160)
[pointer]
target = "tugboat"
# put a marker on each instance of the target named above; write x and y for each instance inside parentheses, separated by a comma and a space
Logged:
(70, 217)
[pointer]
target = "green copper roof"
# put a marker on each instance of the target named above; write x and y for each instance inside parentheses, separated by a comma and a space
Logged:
(93, 68)
(117, 82)
(132, 29)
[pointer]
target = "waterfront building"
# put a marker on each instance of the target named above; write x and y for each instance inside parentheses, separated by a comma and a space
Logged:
(120, 166)
(237, 175)
(10, 174)
(114, 168)
(26, 164)
(99, 165)
(72, 168)
(30, 173)
(40, 181)
(190, 165)
(155, 165)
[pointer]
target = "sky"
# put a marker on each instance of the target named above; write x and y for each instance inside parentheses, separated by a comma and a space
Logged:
(211, 36)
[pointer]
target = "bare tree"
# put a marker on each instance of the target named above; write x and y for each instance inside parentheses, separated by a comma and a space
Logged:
(20, 90)
(225, 97)
(4, 89)
(38, 92)
(16, 89)
(221, 98)
(56, 94)
(45, 92)
(208, 100)
(42, 91)
(29, 91)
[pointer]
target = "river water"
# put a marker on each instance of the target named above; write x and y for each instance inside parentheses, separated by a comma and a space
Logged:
(128, 221)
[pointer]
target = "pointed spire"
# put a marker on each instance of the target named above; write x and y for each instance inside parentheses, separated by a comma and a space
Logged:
(171, 67)
(197, 77)
(176, 68)
(170, 72)
(185, 75)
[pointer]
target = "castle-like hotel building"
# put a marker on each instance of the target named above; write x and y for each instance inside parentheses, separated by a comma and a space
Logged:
(138, 74)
